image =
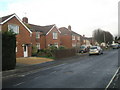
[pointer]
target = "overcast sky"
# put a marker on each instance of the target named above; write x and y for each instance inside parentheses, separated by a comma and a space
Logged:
(84, 16)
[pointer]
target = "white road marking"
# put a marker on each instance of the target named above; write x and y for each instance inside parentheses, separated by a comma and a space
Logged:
(18, 84)
(112, 79)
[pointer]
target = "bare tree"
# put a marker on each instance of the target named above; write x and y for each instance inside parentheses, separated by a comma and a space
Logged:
(102, 36)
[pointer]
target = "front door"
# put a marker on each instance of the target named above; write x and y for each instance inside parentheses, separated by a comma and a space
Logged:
(25, 50)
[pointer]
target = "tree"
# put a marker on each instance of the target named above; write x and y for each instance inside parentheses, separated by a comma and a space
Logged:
(102, 36)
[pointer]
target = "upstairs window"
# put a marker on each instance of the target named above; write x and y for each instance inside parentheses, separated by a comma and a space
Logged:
(78, 38)
(37, 35)
(73, 37)
(14, 28)
(55, 36)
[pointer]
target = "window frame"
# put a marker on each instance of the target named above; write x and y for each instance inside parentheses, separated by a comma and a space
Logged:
(37, 35)
(74, 45)
(9, 28)
(78, 38)
(55, 35)
(73, 37)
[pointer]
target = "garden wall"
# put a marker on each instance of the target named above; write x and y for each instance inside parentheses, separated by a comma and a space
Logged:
(64, 53)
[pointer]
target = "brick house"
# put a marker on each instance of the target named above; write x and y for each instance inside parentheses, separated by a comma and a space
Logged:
(44, 36)
(88, 41)
(23, 37)
(69, 38)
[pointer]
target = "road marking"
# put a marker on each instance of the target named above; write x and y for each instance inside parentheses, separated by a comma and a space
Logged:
(112, 79)
(18, 84)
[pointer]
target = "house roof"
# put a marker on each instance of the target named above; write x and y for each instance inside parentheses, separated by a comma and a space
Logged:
(8, 17)
(2, 19)
(64, 31)
(75, 33)
(44, 29)
(37, 28)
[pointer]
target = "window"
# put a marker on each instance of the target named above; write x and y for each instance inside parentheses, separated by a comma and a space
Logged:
(73, 37)
(78, 38)
(73, 45)
(14, 28)
(38, 45)
(37, 35)
(55, 36)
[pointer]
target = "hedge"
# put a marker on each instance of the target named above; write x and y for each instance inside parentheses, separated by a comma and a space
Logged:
(8, 51)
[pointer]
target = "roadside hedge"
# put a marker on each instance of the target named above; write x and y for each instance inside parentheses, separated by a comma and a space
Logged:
(8, 50)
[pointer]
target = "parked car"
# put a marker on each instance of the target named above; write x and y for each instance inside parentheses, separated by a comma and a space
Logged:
(83, 49)
(115, 46)
(95, 50)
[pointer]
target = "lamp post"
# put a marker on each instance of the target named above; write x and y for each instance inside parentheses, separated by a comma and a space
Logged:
(104, 39)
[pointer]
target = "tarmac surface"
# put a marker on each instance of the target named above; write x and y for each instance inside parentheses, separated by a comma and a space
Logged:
(79, 71)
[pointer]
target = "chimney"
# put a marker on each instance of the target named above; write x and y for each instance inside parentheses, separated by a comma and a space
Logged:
(69, 27)
(25, 19)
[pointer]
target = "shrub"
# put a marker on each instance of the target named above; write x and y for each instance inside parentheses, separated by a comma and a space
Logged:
(62, 48)
(8, 50)
(34, 50)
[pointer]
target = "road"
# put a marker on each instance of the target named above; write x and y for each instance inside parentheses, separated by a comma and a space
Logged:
(81, 72)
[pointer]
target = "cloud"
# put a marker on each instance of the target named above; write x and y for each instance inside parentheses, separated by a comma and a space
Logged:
(82, 15)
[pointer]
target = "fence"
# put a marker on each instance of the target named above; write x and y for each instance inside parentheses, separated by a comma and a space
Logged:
(65, 53)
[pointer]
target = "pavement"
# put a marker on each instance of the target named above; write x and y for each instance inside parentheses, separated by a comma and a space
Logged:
(87, 71)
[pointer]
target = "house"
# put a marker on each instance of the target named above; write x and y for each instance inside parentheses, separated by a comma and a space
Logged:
(23, 37)
(44, 36)
(69, 38)
(88, 41)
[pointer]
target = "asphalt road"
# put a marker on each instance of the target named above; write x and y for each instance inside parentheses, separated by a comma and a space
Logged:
(85, 71)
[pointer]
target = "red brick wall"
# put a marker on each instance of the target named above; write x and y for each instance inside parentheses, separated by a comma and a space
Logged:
(22, 38)
(76, 41)
(49, 37)
(66, 40)
(40, 40)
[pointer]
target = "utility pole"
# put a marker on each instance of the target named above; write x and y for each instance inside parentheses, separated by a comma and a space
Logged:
(104, 39)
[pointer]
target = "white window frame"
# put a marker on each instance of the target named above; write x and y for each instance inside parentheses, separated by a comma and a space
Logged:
(78, 38)
(10, 26)
(73, 44)
(38, 45)
(37, 35)
(55, 35)
(73, 37)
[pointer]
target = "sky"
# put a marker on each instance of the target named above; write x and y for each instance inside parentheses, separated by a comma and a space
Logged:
(84, 16)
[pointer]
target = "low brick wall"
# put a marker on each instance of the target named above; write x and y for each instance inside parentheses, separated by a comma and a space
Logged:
(65, 53)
